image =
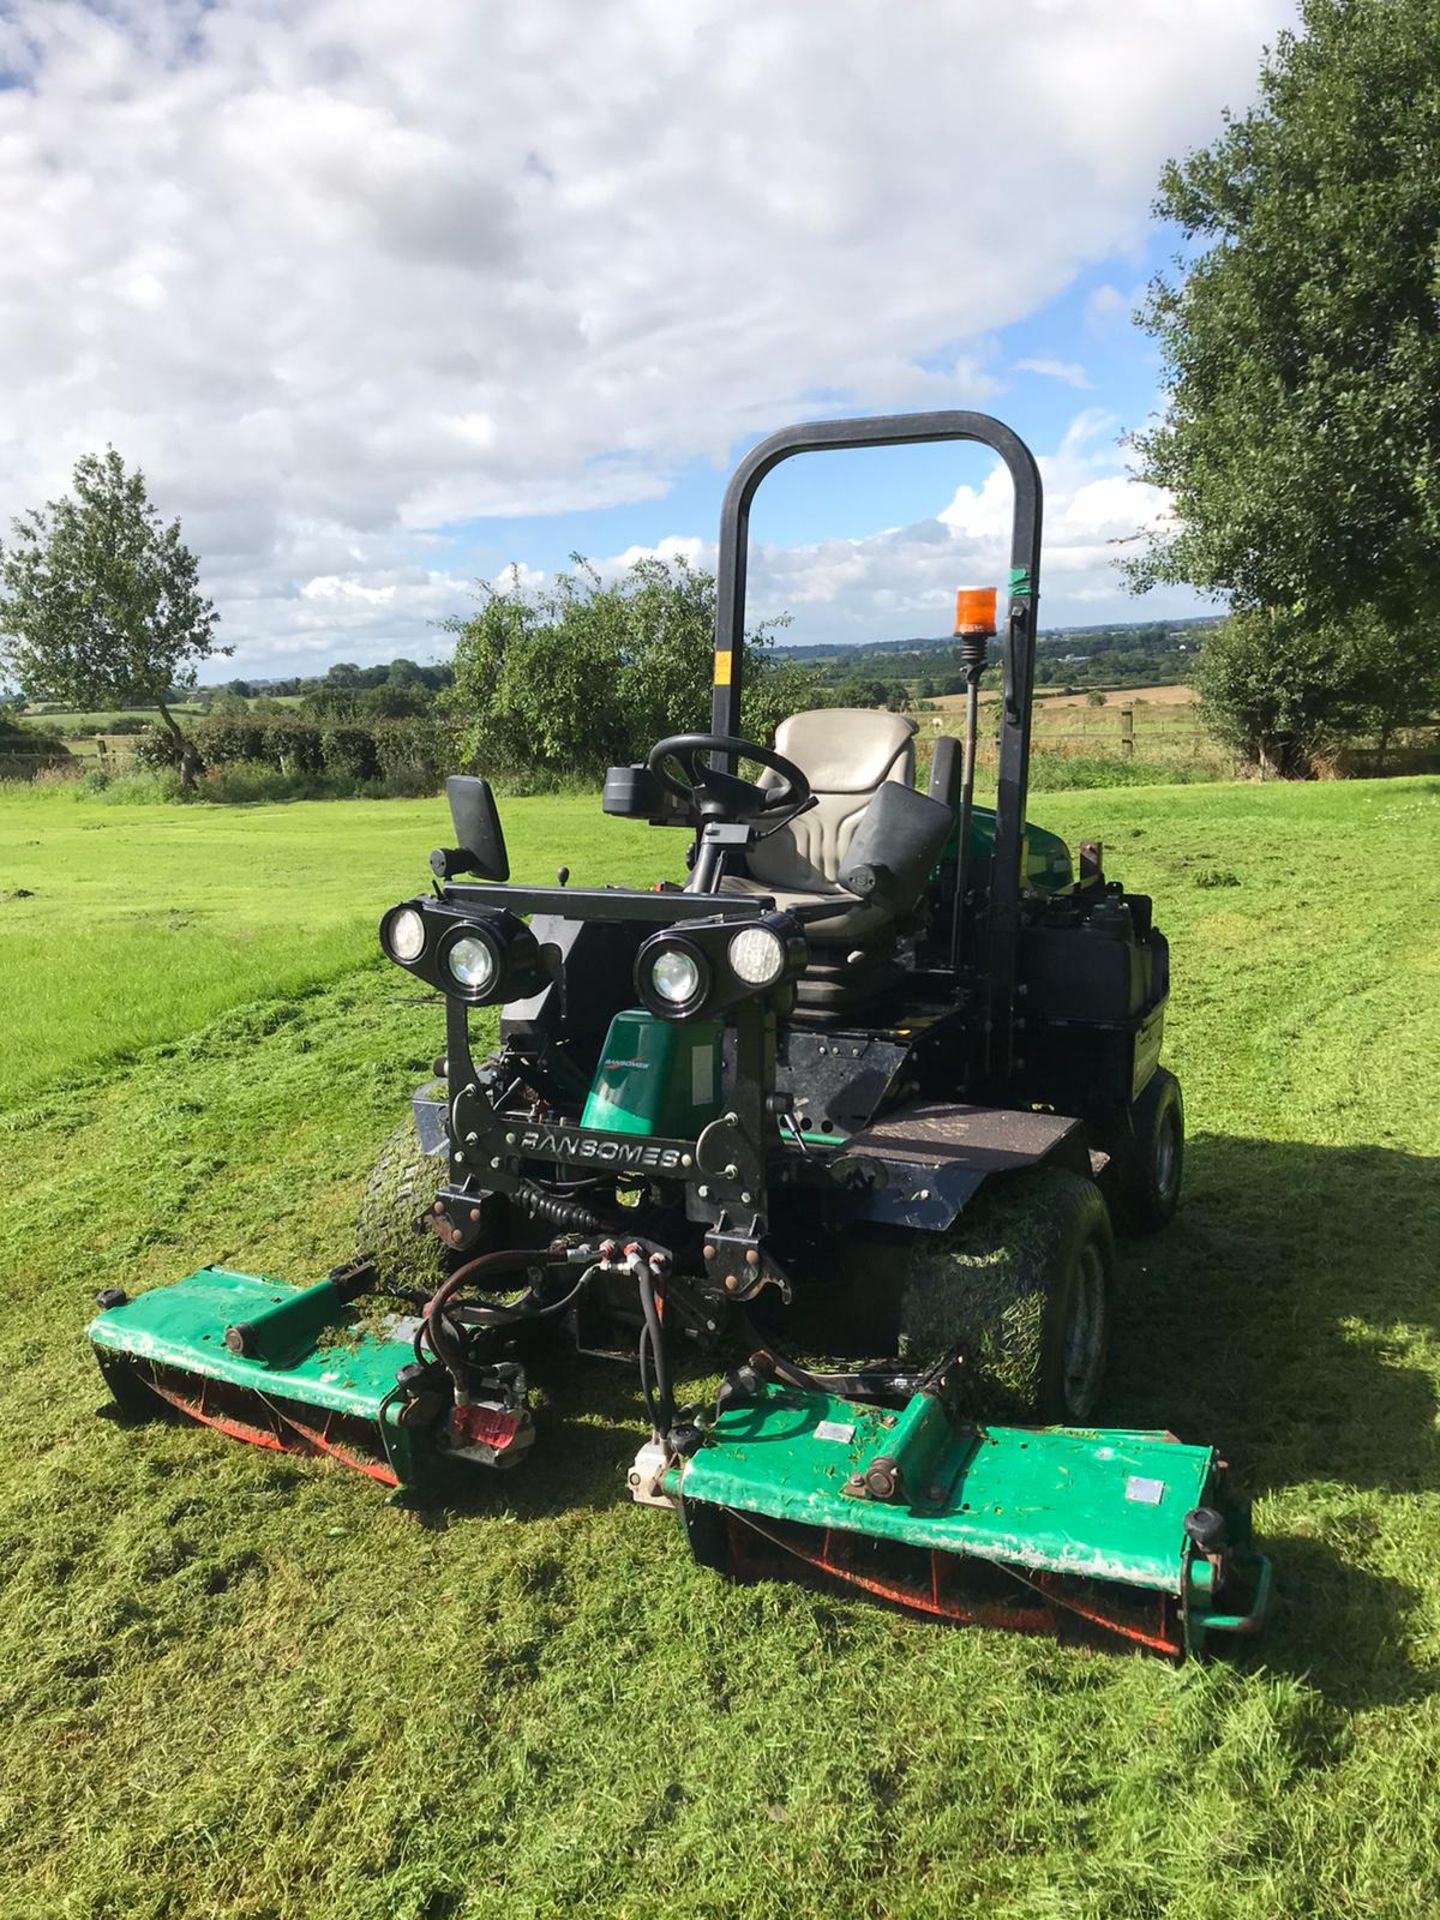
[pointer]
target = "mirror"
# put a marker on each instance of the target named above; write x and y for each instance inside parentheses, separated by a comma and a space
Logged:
(477, 825)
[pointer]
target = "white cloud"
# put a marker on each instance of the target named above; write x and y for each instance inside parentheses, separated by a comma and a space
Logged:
(339, 273)
(900, 584)
(1070, 372)
(1107, 308)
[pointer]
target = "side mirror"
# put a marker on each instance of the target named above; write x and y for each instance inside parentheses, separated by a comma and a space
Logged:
(480, 837)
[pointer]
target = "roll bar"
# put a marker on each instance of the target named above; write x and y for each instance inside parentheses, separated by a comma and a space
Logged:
(1017, 643)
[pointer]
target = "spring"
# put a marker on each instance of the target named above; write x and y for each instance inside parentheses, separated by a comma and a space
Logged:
(568, 1214)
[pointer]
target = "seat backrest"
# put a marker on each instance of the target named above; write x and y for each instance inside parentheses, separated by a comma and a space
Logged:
(846, 753)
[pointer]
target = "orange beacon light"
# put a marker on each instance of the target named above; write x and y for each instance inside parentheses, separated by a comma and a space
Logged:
(975, 611)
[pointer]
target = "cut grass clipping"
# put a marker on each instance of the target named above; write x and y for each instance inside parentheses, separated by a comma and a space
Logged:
(244, 1686)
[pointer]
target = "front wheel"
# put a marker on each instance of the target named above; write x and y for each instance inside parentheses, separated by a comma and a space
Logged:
(401, 1186)
(1021, 1284)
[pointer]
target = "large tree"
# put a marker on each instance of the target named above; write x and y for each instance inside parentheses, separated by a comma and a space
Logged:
(588, 673)
(100, 602)
(1301, 435)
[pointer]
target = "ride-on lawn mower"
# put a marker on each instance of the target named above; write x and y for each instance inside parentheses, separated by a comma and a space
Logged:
(871, 1082)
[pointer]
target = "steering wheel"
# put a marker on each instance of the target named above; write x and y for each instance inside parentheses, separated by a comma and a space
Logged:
(715, 794)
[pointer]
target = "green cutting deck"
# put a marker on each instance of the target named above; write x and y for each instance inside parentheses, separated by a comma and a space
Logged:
(183, 1326)
(1108, 1505)
(301, 1383)
(1091, 1523)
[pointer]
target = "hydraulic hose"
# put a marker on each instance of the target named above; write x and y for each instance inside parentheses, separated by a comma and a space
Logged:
(664, 1410)
(502, 1260)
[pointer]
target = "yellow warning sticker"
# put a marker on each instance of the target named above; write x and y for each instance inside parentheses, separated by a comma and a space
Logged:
(722, 667)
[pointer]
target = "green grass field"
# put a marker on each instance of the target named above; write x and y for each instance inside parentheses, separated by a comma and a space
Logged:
(243, 1686)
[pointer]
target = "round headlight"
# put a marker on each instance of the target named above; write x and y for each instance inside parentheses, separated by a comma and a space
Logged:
(405, 935)
(757, 956)
(675, 976)
(473, 964)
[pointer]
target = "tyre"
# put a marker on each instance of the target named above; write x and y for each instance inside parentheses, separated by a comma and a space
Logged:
(1022, 1285)
(402, 1183)
(1148, 1157)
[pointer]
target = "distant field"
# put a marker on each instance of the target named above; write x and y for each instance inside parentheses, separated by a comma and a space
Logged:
(1162, 737)
(87, 725)
(103, 719)
(238, 1687)
(1045, 700)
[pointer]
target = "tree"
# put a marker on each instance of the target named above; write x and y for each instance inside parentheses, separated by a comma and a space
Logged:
(1301, 436)
(1281, 691)
(587, 674)
(100, 603)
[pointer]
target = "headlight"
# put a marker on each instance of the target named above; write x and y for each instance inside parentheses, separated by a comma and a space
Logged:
(676, 976)
(473, 964)
(404, 936)
(757, 956)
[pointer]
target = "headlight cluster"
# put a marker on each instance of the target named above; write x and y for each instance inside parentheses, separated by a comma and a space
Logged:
(710, 966)
(485, 959)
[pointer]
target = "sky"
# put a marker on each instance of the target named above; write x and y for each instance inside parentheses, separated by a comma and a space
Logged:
(386, 299)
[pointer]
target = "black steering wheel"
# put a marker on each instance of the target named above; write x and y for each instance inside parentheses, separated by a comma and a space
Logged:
(715, 794)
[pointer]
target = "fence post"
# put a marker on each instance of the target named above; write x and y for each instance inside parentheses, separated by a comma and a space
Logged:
(1127, 733)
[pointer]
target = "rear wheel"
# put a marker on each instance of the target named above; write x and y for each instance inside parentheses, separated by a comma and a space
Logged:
(1022, 1284)
(1148, 1157)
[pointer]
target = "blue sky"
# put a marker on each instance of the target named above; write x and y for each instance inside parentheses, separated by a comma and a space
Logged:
(1084, 352)
(384, 298)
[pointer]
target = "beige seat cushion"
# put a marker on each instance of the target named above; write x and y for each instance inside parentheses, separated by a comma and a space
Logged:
(846, 753)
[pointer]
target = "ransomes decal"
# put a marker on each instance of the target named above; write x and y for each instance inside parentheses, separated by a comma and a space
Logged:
(605, 1149)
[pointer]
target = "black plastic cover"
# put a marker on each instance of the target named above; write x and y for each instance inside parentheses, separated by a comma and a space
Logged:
(632, 793)
(894, 848)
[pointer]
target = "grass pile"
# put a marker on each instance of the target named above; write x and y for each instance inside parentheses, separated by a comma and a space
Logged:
(239, 1685)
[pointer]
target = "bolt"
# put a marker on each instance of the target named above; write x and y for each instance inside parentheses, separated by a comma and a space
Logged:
(732, 1284)
(685, 1160)
(474, 1213)
(709, 1253)
(744, 1199)
(732, 1119)
(458, 1154)
(472, 1139)
(496, 1161)
(752, 1258)
(732, 1172)
(937, 1493)
(704, 1192)
(510, 1139)
(439, 1207)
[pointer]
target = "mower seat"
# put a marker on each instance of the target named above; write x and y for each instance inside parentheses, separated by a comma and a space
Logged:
(847, 754)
